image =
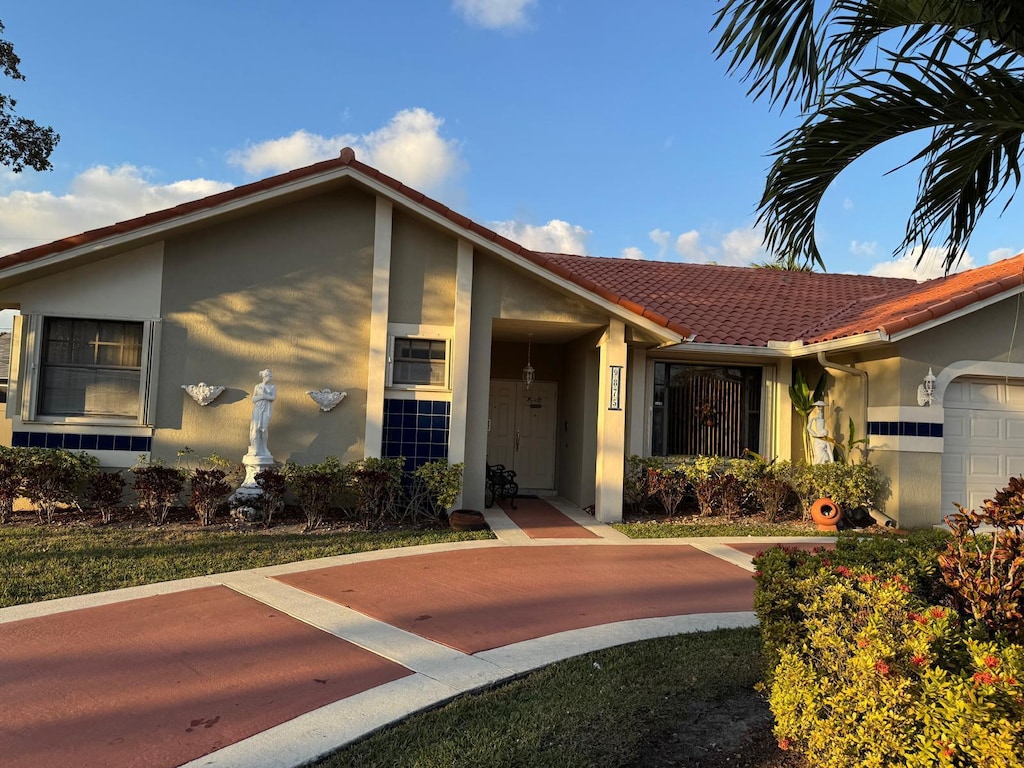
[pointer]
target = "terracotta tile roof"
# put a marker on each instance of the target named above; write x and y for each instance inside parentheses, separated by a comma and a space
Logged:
(733, 305)
(722, 305)
(923, 303)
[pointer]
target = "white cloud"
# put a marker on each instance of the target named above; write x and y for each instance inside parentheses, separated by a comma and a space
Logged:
(848, 204)
(740, 247)
(859, 248)
(556, 236)
(1002, 253)
(931, 265)
(660, 238)
(410, 147)
(494, 14)
(632, 253)
(98, 197)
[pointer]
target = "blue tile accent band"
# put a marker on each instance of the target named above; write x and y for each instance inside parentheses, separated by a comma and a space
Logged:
(78, 442)
(417, 430)
(905, 428)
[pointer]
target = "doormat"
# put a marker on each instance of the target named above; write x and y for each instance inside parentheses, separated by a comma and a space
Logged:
(540, 520)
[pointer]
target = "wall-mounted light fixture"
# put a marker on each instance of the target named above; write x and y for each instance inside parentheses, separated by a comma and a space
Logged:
(926, 389)
(529, 373)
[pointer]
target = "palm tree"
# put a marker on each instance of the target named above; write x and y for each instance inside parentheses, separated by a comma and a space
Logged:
(864, 72)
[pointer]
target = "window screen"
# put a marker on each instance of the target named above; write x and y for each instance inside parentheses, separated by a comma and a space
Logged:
(419, 361)
(90, 368)
(706, 410)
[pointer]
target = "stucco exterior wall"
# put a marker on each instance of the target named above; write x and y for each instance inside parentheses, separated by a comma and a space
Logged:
(987, 334)
(287, 289)
(126, 286)
(423, 261)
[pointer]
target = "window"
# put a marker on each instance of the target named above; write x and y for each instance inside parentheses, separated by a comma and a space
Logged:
(706, 410)
(419, 362)
(90, 368)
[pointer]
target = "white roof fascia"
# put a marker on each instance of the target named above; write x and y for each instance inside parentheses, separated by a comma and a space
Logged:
(724, 349)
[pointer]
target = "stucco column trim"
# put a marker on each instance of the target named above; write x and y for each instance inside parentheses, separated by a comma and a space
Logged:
(611, 424)
(460, 353)
(376, 376)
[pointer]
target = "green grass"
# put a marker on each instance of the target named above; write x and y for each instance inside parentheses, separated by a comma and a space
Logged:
(601, 710)
(657, 530)
(42, 563)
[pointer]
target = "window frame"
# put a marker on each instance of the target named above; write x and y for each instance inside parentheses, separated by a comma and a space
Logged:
(401, 332)
(34, 327)
(765, 392)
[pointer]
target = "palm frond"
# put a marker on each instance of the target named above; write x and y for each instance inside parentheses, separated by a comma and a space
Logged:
(773, 44)
(976, 118)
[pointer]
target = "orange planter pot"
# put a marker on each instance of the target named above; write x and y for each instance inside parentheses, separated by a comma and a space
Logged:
(466, 520)
(826, 514)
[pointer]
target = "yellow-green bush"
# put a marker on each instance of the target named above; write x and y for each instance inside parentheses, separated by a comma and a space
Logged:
(882, 678)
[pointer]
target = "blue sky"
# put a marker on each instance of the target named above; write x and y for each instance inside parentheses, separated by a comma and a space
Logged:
(583, 126)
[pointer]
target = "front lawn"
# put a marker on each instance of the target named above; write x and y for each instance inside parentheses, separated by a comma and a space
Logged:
(40, 562)
(686, 700)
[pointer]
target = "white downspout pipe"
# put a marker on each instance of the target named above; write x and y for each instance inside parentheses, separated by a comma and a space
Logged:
(830, 366)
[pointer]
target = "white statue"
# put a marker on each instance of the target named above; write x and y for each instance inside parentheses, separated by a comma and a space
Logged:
(821, 448)
(263, 396)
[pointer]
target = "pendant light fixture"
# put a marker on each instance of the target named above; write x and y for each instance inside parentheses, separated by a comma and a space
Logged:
(528, 372)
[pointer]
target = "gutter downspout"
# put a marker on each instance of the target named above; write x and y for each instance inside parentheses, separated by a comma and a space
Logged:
(830, 366)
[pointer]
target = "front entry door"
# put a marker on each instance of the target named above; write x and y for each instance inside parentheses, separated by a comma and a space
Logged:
(521, 431)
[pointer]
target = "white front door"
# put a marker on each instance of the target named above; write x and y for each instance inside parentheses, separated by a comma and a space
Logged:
(521, 431)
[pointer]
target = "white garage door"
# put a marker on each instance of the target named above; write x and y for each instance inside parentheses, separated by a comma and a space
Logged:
(983, 439)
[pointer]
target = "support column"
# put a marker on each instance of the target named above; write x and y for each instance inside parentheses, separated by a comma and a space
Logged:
(783, 407)
(611, 423)
(377, 364)
(460, 356)
(474, 475)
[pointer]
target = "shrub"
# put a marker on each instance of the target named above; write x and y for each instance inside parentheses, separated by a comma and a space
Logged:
(705, 474)
(316, 487)
(54, 477)
(105, 493)
(443, 482)
(274, 486)
(884, 679)
(784, 578)
(850, 485)
(985, 572)
(378, 487)
(669, 484)
(12, 477)
(637, 489)
(768, 482)
(157, 487)
(209, 491)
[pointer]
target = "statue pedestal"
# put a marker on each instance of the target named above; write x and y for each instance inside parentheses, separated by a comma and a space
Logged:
(249, 490)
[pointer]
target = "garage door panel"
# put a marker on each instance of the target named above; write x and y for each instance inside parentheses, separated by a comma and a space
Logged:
(984, 464)
(1015, 428)
(983, 440)
(1014, 465)
(955, 427)
(985, 427)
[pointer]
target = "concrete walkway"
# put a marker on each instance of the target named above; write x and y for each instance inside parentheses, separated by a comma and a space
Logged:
(277, 666)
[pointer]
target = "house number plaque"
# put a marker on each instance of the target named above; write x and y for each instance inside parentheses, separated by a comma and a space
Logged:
(615, 402)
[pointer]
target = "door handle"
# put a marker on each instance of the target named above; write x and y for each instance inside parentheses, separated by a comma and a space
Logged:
(517, 439)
